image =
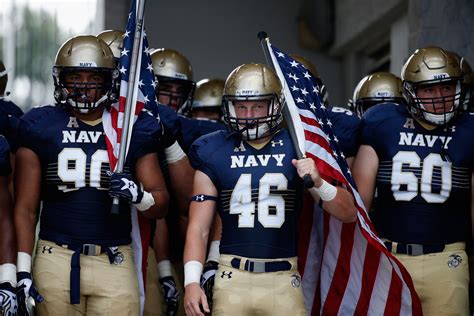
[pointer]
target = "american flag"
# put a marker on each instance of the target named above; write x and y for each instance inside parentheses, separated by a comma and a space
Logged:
(345, 267)
(113, 122)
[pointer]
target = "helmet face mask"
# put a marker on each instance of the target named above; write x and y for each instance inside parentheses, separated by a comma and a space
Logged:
(253, 86)
(174, 74)
(84, 74)
(84, 90)
(433, 85)
(175, 93)
(436, 108)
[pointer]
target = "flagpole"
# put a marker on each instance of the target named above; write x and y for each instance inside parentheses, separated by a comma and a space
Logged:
(264, 40)
(132, 88)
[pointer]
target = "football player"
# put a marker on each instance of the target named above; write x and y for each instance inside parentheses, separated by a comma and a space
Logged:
(255, 184)
(416, 157)
(84, 262)
(379, 87)
(207, 102)
(8, 280)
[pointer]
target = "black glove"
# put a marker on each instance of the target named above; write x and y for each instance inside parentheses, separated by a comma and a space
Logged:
(123, 186)
(26, 294)
(170, 295)
(8, 305)
(207, 279)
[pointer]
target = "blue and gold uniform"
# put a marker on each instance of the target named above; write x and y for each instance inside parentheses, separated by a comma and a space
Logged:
(259, 195)
(75, 222)
(424, 200)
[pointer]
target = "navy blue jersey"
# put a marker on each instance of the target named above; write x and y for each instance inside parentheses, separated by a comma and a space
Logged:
(5, 167)
(192, 129)
(75, 182)
(424, 177)
(9, 115)
(346, 126)
(259, 193)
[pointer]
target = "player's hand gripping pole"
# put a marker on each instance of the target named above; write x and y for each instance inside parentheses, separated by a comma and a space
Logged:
(264, 39)
(132, 95)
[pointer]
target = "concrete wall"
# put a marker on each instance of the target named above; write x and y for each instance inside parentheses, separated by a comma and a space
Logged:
(217, 35)
(449, 24)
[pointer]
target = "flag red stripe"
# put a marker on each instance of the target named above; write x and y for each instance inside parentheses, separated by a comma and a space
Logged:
(369, 273)
(394, 299)
(342, 271)
(310, 121)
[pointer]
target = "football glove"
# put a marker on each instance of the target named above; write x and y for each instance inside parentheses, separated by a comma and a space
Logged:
(207, 279)
(8, 305)
(123, 186)
(27, 294)
(170, 295)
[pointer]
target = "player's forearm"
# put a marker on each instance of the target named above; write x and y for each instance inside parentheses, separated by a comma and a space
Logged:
(25, 226)
(161, 241)
(181, 174)
(159, 208)
(196, 244)
(8, 241)
(341, 206)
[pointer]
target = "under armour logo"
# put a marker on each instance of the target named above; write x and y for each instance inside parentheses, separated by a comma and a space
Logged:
(199, 198)
(452, 128)
(279, 142)
(226, 274)
(409, 124)
(72, 122)
(130, 186)
(48, 249)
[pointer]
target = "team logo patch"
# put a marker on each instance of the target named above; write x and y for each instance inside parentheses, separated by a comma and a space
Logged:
(454, 261)
(226, 274)
(47, 249)
(118, 256)
(295, 281)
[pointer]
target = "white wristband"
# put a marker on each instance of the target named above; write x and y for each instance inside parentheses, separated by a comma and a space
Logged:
(8, 273)
(192, 272)
(326, 191)
(214, 253)
(147, 202)
(23, 262)
(164, 268)
(174, 153)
